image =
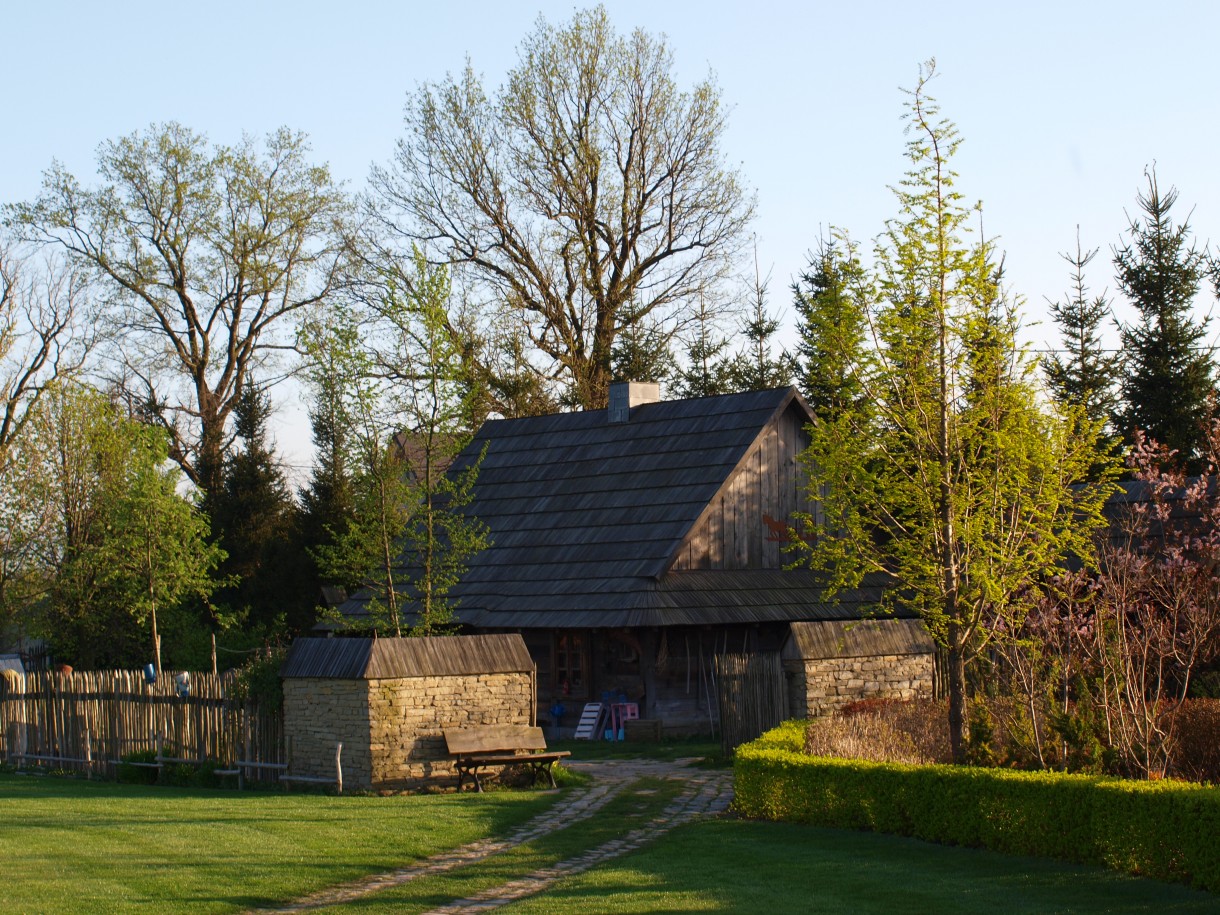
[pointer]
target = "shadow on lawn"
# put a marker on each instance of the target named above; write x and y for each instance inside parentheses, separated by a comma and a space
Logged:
(740, 866)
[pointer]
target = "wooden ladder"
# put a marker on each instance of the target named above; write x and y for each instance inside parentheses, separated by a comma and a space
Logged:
(590, 721)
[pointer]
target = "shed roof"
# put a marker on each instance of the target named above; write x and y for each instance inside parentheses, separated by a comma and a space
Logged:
(856, 639)
(585, 516)
(392, 658)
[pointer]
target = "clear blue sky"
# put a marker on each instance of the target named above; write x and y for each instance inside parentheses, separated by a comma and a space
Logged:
(1061, 105)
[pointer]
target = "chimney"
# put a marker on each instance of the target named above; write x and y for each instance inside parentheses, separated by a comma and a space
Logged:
(627, 394)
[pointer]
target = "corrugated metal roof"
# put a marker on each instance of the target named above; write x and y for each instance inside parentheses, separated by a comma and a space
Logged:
(387, 659)
(856, 639)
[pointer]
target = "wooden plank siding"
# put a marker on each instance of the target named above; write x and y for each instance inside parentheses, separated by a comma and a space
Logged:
(768, 484)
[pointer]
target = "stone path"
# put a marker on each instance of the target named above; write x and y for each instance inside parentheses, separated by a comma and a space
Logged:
(705, 793)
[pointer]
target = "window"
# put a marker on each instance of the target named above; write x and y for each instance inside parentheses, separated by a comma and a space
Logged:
(571, 664)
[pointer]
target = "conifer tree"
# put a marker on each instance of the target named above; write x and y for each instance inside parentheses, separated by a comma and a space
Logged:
(830, 297)
(1170, 371)
(759, 366)
(1085, 375)
(327, 503)
(254, 519)
(705, 370)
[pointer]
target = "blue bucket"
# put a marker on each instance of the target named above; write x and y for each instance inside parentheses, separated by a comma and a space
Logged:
(150, 673)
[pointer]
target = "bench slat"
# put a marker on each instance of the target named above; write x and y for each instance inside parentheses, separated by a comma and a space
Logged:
(494, 738)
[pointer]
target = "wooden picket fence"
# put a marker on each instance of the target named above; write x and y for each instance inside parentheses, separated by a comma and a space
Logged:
(89, 721)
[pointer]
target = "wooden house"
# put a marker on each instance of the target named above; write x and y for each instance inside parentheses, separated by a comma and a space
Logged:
(630, 545)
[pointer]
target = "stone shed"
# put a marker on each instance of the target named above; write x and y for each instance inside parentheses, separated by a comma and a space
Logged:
(830, 664)
(387, 701)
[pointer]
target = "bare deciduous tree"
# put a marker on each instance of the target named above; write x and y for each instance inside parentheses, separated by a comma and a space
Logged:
(589, 193)
(206, 253)
(40, 337)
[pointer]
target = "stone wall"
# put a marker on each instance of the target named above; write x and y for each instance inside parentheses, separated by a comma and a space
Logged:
(317, 714)
(407, 716)
(819, 686)
(392, 729)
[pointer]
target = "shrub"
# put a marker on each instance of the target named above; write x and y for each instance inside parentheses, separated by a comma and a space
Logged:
(916, 729)
(138, 775)
(1157, 829)
(258, 680)
(1197, 754)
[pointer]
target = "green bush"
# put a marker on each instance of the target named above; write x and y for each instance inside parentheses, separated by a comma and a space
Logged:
(138, 775)
(1162, 829)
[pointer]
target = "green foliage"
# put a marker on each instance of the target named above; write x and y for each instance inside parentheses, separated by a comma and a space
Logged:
(1164, 830)
(120, 546)
(406, 402)
(1170, 372)
(254, 520)
(1085, 376)
(830, 297)
(948, 473)
(138, 775)
(759, 367)
(980, 742)
(203, 254)
(258, 680)
(705, 370)
(587, 195)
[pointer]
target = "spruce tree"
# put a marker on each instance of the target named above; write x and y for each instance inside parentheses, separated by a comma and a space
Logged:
(1085, 375)
(254, 518)
(830, 297)
(327, 503)
(759, 366)
(1170, 372)
(705, 371)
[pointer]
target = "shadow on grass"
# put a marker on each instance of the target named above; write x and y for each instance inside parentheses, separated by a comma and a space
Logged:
(737, 866)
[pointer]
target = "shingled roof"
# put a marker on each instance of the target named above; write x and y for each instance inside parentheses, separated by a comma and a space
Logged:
(586, 516)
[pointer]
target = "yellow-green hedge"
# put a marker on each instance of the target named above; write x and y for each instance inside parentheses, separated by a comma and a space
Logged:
(1168, 830)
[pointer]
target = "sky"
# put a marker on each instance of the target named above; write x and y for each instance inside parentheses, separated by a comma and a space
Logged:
(1061, 105)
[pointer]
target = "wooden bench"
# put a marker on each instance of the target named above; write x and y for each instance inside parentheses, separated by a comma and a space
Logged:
(478, 747)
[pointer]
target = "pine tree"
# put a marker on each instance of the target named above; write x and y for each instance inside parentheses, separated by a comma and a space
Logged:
(705, 370)
(254, 518)
(1170, 371)
(758, 367)
(830, 298)
(1086, 375)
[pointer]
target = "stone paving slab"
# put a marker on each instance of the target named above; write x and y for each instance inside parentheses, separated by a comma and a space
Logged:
(706, 793)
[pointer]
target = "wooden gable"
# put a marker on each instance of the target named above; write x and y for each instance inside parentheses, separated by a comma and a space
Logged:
(746, 524)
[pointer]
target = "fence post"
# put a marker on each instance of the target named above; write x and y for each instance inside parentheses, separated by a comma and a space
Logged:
(338, 767)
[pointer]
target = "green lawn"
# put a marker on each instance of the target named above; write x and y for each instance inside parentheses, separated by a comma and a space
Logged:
(73, 846)
(777, 868)
(677, 748)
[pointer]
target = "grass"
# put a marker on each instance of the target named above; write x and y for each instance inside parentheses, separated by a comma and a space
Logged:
(630, 810)
(667, 750)
(73, 846)
(777, 868)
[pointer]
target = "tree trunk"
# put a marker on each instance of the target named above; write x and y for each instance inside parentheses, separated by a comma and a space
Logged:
(956, 671)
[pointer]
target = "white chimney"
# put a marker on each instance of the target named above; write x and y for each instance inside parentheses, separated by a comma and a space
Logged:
(627, 394)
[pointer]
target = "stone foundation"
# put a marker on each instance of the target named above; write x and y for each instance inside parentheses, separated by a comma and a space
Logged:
(818, 687)
(392, 729)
